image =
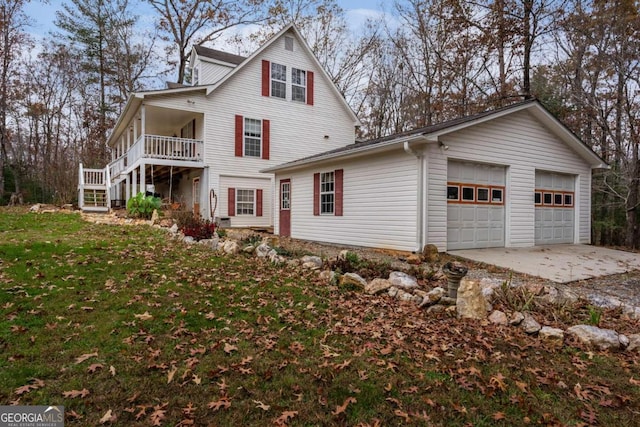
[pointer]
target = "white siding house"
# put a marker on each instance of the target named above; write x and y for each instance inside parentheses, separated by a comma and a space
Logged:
(511, 177)
(190, 143)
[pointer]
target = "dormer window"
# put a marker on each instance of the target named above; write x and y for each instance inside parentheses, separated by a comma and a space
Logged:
(298, 85)
(278, 81)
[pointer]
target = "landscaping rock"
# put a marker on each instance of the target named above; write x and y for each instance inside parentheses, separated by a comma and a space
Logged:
(631, 311)
(230, 247)
(155, 217)
(553, 336)
(343, 255)
(471, 304)
(403, 295)
(263, 249)
(604, 301)
(516, 318)
(498, 317)
(602, 339)
(353, 279)
(634, 343)
(392, 291)
(556, 296)
(433, 296)
(174, 229)
(312, 262)
(414, 259)
(328, 276)
(377, 286)
(248, 249)
(530, 325)
(402, 280)
(489, 287)
(210, 243)
(189, 240)
(430, 254)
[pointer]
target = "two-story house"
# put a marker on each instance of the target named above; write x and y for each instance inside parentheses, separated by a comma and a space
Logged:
(240, 116)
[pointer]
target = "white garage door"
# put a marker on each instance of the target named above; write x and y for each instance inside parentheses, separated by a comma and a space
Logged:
(475, 205)
(555, 211)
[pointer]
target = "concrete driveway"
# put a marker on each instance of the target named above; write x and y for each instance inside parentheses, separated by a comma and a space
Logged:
(559, 263)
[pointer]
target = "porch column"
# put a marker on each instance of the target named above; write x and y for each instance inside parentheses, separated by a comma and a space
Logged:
(135, 128)
(128, 139)
(143, 187)
(143, 116)
(134, 182)
(127, 188)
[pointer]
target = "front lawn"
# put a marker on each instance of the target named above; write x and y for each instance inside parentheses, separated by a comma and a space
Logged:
(124, 326)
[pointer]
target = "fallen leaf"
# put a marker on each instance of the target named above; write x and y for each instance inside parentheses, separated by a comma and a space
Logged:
(112, 370)
(158, 414)
(285, 417)
(94, 367)
(170, 374)
(143, 316)
(107, 417)
(223, 403)
(499, 416)
(342, 408)
(229, 348)
(72, 394)
(261, 405)
(402, 414)
(86, 356)
(634, 381)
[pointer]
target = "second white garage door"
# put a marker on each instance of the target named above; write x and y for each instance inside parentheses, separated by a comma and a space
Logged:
(555, 211)
(475, 205)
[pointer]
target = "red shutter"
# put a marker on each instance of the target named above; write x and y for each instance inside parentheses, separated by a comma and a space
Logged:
(231, 210)
(339, 175)
(266, 136)
(266, 77)
(316, 194)
(258, 202)
(239, 134)
(309, 87)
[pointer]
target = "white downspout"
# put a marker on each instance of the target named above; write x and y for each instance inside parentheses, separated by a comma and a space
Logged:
(420, 199)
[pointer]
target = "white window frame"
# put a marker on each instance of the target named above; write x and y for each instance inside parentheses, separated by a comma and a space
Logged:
(245, 207)
(327, 194)
(251, 136)
(298, 83)
(285, 195)
(276, 71)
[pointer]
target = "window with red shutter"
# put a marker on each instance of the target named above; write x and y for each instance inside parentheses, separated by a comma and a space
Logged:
(239, 135)
(258, 202)
(316, 194)
(231, 209)
(339, 177)
(266, 139)
(266, 77)
(309, 87)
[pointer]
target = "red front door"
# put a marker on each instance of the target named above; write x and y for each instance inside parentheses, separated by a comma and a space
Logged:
(285, 207)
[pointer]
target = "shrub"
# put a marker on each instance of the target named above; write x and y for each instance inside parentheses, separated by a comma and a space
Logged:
(198, 228)
(141, 206)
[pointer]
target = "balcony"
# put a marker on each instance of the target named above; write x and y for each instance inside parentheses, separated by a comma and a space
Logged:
(165, 149)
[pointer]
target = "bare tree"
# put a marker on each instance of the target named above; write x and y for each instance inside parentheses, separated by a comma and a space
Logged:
(193, 22)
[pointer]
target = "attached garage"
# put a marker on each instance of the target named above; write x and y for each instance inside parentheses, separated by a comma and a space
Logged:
(475, 205)
(511, 177)
(554, 200)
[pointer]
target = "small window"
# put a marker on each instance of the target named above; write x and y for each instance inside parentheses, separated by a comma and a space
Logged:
(285, 195)
(453, 192)
(482, 195)
(252, 137)
(278, 80)
(568, 199)
(288, 43)
(538, 198)
(327, 193)
(496, 195)
(548, 199)
(298, 85)
(468, 194)
(557, 199)
(245, 202)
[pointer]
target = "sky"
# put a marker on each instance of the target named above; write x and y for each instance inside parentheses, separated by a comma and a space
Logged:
(43, 15)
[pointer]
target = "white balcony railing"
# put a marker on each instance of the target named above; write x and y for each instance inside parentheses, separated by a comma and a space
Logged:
(158, 147)
(94, 176)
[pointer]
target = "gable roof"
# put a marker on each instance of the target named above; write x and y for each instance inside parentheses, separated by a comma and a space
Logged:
(136, 99)
(431, 134)
(290, 28)
(219, 55)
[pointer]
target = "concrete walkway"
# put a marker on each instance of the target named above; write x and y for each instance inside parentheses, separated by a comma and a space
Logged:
(558, 263)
